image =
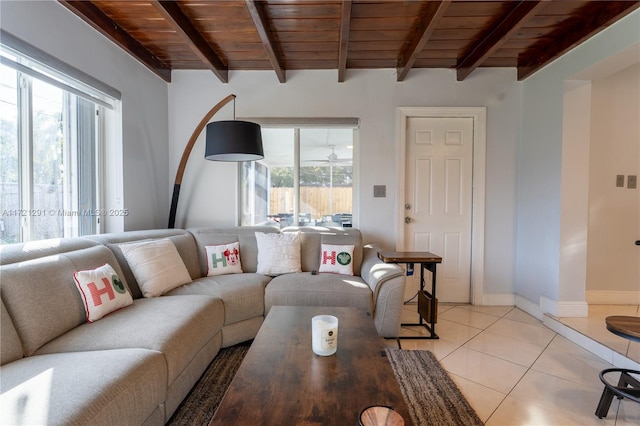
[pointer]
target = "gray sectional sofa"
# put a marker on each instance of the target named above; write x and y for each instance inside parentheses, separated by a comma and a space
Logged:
(135, 365)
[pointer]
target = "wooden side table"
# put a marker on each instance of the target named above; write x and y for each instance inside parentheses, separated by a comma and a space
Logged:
(427, 317)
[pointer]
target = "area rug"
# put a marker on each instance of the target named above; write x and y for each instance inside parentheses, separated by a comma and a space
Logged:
(431, 396)
(201, 403)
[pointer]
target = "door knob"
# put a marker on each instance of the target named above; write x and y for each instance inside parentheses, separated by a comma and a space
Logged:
(408, 220)
(638, 242)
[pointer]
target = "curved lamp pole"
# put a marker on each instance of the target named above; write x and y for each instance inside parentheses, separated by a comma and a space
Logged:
(226, 141)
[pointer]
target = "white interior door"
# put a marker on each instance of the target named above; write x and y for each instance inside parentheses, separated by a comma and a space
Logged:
(438, 198)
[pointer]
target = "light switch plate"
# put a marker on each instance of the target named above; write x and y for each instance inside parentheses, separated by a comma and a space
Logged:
(620, 181)
(379, 191)
(632, 181)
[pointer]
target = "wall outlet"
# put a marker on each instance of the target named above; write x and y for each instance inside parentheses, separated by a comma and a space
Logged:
(620, 181)
(632, 181)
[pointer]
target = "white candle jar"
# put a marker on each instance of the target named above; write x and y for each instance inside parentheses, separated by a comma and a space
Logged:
(324, 334)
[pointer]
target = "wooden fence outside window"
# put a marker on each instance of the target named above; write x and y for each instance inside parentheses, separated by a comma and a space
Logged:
(313, 200)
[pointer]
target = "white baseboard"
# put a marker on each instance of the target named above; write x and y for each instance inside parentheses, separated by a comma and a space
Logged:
(552, 307)
(577, 309)
(595, 297)
(529, 307)
(504, 299)
(573, 309)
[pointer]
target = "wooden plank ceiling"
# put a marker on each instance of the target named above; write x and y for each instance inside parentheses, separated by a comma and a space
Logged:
(281, 35)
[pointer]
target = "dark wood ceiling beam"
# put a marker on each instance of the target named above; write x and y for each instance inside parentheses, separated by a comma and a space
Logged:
(171, 11)
(110, 29)
(260, 22)
(594, 17)
(508, 25)
(426, 23)
(345, 25)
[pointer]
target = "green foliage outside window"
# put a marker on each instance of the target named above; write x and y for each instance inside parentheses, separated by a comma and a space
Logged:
(282, 177)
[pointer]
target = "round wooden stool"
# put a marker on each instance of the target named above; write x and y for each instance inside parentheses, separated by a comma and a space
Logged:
(628, 386)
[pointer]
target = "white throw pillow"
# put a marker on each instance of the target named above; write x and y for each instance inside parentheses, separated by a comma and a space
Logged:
(278, 253)
(223, 259)
(336, 259)
(102, 291)
(157, 266)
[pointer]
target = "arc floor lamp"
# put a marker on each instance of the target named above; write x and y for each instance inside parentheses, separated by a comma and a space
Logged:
(228, 140)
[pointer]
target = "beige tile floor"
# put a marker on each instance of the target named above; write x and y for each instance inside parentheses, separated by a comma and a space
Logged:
(594, 327)
(514, 370)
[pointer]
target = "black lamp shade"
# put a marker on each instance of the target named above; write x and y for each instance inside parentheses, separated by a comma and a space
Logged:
(233, 140)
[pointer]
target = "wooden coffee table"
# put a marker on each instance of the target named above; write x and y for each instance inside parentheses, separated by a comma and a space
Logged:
(282, 382)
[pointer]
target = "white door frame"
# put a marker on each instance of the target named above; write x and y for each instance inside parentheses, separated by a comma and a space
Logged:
(479, 116)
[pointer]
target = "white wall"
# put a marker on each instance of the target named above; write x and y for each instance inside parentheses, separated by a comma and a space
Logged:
(208, 189)
(614, 214)
(574, 214)
(540, 195)
(49, 26)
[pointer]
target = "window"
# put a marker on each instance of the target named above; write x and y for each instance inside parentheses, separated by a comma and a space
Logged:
(51, 129)
(306, 177)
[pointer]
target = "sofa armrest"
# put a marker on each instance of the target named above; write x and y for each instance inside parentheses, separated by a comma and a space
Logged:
(374, 271)
(387, 283)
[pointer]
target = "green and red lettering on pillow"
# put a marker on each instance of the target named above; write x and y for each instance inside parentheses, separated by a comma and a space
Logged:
(336, 259)
(102, 291)
(223, 259)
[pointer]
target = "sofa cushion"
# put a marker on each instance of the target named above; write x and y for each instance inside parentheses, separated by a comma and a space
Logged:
(336, 259)
(176, 326)
(304, 289)
(115, 387)
(21, 252)
(157, 266)
(102, 291)
(183, 241)
(278, 253)
(242, 331)
(41, 296)
(10, 345)
(223, 259)
(245, 235)
(241, 294)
